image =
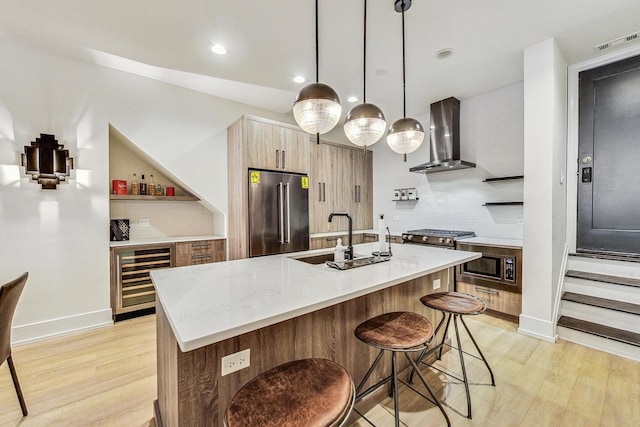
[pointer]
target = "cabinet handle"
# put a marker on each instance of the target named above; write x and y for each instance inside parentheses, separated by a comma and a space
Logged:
(118, 280)
(283, 166)
(324, 191)
(359, 193)
(332, 238)
(319, 191)
(277, 159)
(201, 245)
(487, 291)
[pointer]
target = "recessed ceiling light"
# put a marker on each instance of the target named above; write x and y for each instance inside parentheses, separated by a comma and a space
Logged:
(444, 53)
(352, 99)
(299, 79)
(218, 49)
(381, 72)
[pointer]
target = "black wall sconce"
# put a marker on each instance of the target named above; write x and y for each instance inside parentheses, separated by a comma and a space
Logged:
(47, 161)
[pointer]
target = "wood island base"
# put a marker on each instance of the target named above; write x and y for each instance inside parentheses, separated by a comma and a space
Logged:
(192, 392)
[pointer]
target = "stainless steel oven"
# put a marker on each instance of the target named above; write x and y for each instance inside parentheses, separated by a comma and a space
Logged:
(500, 267)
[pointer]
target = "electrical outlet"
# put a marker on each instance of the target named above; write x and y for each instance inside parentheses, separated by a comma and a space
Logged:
(436, 284)
(143, 222)
(235, 362)
(396, 217)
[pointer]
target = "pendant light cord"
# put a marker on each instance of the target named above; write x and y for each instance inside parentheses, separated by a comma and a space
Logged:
(404, 77)
(317, 49)
(364, 57)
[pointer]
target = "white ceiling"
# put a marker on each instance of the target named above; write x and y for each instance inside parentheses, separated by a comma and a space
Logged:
(271, 41)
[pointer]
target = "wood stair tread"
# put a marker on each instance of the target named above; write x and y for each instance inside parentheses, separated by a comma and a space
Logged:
(603, 331)
(625, 307)
(596, 277)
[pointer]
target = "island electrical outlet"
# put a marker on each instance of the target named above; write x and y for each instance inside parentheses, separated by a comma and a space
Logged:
(235, 362)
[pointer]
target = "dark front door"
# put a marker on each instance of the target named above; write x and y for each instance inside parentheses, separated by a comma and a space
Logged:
(609, 158)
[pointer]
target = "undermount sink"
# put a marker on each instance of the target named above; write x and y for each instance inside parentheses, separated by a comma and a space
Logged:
(319, 258)
(358, 261)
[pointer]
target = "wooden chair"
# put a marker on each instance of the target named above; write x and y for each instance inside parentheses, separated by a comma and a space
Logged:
(9, 295)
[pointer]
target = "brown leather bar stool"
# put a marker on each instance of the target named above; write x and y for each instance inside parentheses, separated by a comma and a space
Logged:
(456, 305)
(307, 392)
(397, 332)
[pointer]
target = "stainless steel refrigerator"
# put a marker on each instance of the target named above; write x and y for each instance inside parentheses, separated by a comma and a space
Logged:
(278, 212)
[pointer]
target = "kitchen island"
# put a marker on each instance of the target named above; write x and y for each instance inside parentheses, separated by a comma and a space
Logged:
(281, 309)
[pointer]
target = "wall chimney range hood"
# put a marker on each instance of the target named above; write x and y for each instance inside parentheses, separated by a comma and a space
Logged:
(444, 139)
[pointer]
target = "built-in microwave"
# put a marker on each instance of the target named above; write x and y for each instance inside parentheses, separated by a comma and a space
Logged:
(500, 267)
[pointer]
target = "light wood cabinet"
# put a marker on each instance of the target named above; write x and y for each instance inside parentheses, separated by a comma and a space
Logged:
(341, 180)
(200, 252)
(497, 300)
(274, 147)
(253, 142)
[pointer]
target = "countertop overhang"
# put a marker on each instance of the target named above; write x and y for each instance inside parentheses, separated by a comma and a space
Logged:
(208, 303)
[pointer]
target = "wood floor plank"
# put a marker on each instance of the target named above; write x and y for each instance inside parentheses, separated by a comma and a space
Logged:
(106, 377)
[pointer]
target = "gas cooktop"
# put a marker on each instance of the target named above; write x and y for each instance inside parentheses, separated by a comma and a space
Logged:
(429, 236)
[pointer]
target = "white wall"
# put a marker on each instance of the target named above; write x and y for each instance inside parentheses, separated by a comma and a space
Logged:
(491, 135)
(545, 94)
(62, 236)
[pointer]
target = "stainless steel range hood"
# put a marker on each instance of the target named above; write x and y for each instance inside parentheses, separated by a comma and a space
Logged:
(444, 139)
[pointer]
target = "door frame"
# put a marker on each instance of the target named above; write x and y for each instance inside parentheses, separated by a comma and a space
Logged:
(573, 116)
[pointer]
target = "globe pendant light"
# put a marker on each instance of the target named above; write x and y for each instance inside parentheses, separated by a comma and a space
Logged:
(365, 123)
(406, 134)
(317, 107)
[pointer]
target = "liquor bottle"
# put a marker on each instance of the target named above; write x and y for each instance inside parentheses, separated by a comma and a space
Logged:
(143, 186)
(135, 190)
(151, 186)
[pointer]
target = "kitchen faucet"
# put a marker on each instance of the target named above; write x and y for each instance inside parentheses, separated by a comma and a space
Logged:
(348, 254)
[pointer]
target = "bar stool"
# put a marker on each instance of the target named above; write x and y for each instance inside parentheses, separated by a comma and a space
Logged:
(307, 392)
(397, 332)
(456, 305)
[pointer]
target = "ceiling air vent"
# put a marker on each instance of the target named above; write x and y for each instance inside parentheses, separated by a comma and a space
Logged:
(613, 43)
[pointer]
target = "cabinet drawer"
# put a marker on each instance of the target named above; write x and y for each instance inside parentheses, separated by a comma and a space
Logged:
(200, 252)
(497, 300)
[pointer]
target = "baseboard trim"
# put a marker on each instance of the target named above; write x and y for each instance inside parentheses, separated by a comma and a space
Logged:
(52, 328)
(537, 328)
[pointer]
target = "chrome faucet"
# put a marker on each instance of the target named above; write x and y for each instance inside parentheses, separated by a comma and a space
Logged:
(348, 254)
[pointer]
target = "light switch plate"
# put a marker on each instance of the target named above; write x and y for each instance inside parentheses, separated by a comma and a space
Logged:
(436, 284)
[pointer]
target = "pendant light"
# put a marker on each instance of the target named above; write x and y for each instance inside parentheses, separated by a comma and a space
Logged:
(405, 134)
(365, 123)
(317, 107)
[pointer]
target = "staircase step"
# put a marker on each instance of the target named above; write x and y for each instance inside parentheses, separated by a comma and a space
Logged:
(608, 332)
(608, 256)
(616, 280)
(624, 307)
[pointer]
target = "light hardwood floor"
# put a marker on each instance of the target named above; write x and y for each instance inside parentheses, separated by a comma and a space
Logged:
(106, 377)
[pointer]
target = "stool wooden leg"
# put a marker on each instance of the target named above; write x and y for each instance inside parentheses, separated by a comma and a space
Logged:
(414, 365)
(16, 384)
(493, 382)
(464, 369)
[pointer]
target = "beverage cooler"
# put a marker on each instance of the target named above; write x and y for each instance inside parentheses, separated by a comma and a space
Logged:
(132, 266)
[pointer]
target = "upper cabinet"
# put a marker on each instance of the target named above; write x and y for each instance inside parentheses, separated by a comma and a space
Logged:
(276, 147)
(341, 180)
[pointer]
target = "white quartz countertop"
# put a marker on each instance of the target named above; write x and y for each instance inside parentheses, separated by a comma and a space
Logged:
(494, 241)
(208, 303)
(173, 239)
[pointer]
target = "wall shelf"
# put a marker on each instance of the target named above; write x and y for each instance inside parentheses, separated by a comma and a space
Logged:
(405, 200)
(503, 204)
(154, 198)
(504, 178)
